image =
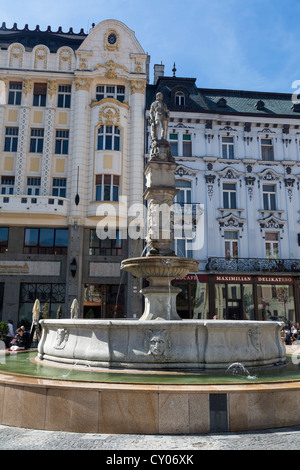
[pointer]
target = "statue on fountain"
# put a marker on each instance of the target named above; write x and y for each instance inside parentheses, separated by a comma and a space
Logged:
(159, 120)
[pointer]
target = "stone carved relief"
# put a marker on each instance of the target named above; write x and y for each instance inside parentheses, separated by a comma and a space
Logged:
(109, 115)
(157, 343)
(254, 337)
(138, 86)
(65, 59)
(62, 336)
(40, 57)
(111, 68)
(16, 56)
(82, 84)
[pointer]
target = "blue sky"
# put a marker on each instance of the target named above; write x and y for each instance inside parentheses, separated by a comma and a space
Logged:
(231, 44)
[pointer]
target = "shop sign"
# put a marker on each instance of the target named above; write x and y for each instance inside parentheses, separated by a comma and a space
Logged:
(234, 279)
(193, 278)
(275, 279)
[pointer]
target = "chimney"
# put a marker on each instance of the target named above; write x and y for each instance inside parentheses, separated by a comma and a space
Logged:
(159, 71)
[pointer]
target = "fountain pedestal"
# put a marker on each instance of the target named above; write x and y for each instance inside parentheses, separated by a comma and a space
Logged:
(160, 296)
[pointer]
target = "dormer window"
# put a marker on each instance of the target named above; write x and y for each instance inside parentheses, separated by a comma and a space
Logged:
(179, 98)
(222, 103)
(260, 105)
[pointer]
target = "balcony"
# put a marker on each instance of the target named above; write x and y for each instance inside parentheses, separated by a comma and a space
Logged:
(34, 205)
(259, 265)
(194, 209)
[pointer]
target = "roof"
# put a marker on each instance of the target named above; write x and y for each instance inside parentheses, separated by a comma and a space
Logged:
(31, 38)
(235, 102)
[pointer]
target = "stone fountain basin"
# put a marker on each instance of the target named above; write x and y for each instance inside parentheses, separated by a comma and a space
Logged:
(161, 345)
(151, 267)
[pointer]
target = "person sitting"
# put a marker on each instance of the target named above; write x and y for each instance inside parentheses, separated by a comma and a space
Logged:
(19, 342)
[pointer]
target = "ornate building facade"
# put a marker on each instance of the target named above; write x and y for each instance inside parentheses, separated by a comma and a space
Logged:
(68, 105)
(238, 154)
(75, 136)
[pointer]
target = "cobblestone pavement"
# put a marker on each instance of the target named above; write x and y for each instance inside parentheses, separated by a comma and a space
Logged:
(12, 438)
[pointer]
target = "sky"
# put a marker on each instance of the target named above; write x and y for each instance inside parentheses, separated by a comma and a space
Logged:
(227, 44)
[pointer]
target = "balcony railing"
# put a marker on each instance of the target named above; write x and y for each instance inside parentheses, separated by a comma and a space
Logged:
(34, 204)
(253, 264)
(187, 208)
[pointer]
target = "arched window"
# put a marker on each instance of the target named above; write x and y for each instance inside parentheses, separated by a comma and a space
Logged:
(108, 138)
(179, 98)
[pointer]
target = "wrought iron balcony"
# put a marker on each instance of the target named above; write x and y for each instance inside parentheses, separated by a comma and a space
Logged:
(253, 264)
(186, 208)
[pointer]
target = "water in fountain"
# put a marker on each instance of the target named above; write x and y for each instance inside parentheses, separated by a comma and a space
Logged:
(238, 369)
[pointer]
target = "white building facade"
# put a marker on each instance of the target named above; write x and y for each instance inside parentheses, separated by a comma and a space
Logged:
(238, 154)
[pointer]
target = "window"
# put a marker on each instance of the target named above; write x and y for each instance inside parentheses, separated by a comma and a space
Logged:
(46, 241)
(108, 138)
(33, 186)
(106, 247)
(267, 151)
(227, 147)
(62, 142)
(184, 195)
(229, 195)
(174, 143)
(108, 91)
(272, 245)
(180, 98)
(36, 141)
(182, 247)
(39, 94)
(64, 96)
(11, 139)
(54, 295)
(269, 196)
(59, 187)
(3, 239)
(186, 145)
(7, 184)
(231, 244)
(15, 93)
(107, 187)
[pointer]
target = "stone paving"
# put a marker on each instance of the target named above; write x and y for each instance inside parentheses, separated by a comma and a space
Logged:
(12, 438)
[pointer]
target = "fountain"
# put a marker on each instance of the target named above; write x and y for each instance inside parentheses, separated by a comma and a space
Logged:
(160, 339)
(158, 343)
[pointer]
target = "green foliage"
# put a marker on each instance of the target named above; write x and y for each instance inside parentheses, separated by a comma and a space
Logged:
(3, 329)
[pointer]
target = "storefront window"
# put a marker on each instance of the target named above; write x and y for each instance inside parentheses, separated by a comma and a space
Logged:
(234, 301)
(1, 298)
(220, 301)
(104, 301)
(248, 302)
(51, 296)
(193, 300)
(276, 302)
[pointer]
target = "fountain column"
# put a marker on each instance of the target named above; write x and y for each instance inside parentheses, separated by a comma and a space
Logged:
(161, 265)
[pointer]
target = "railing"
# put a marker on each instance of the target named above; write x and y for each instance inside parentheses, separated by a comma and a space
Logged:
(187, 208)
(253, 264)
(34, 204)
